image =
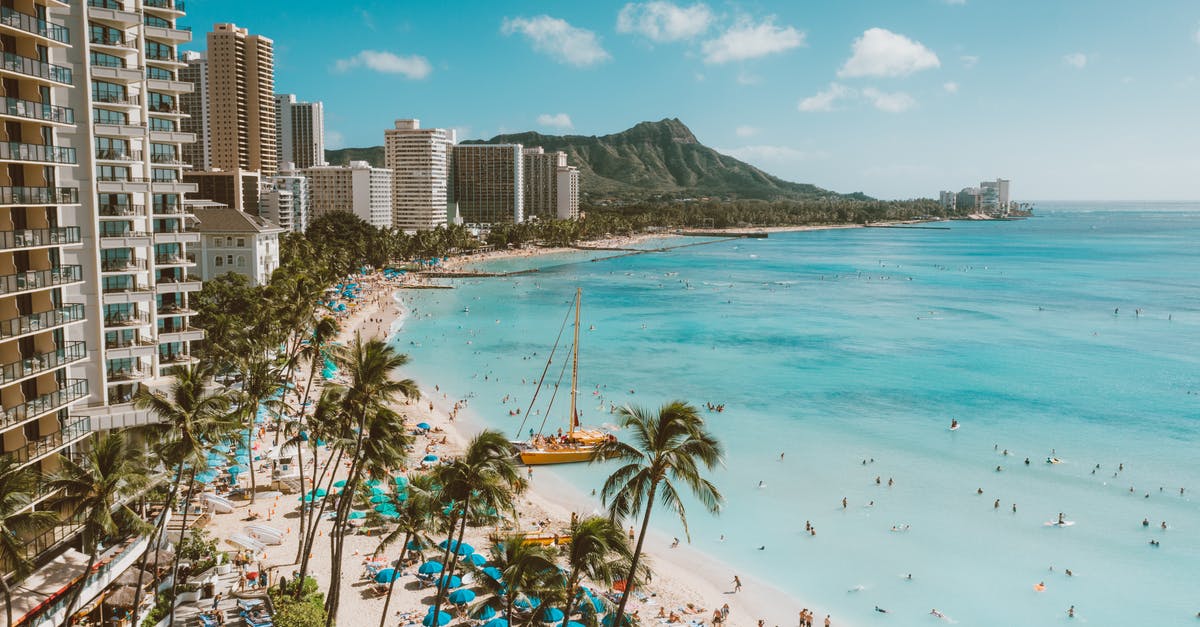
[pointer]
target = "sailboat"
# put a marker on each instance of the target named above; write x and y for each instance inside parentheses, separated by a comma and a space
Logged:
(577, 444)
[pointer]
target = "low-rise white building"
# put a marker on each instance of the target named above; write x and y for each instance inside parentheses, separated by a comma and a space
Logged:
(357, 188)
(233, 241)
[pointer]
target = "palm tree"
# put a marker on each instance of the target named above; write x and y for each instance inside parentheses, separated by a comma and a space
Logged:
(369, 366)
(526, 569)
(192, 416)
(667, 448)
(485, 474)
(325, 423)
(416, 516)
(599, 552)
(96, 490)
(18, 522)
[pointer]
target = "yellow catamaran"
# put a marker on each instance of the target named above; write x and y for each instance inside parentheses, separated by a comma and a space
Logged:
(576, 445)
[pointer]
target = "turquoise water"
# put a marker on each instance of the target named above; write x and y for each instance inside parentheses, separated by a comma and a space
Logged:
(849, 345)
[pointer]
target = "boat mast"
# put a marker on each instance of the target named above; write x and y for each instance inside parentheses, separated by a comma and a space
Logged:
(575, 362)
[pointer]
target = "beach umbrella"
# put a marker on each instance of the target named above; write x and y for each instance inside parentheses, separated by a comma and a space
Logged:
(431, 458)
(461, 596)
(308, 498)
(216, 463)
(377, 490)
(493, 572)
(401, 497)
(422, 425)
(477, 559)
(242, 459)
(386, 508)
(454, 581)
(496, 622)
(609, 619)
(374, 483)
(574, 624)
(400, 481)
(340, 483)
(357, 515)
(432, 567)
(552, 615)
(459, 548)
(380, 498)
(486, 613)
(430, 620)
(236, 470)
(414, 545)
(386, 575)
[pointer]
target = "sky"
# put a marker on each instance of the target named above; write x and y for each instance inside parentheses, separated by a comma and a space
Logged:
(1070, 99)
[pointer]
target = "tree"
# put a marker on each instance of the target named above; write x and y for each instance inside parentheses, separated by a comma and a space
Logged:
(485, 474)
(95, 492)
(18, 522)
(526, 569)
(414, 519)
(192, 416)
(664, 449)
(599, 552)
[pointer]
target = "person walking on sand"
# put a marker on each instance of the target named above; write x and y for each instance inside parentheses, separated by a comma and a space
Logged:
(737, 584)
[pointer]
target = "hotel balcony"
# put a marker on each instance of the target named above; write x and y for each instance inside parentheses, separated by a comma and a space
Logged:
(122, 184)
(103, 129)
(169, 286)
(44, 321)
(32, 280)
(39, 238)
(171, 360)
(49, 33)
(50, 444)
(167, 209)
(134, 293)
(173, 260)
(179, 333)
(130, 348)
(164, 57)
(174, 187)
(118, 155)
(122, 265)
(36, 153)
(71, 391)
(117, 74)
(182, 236)
(124, 239)
(111, 100)
(114, 44)
(42, 112)
(112, 12)
(37, 364)
(178, 87)
(126, 320)
(38, 196)
(173, 7)
(125, 375)
(121, 211)
(172, 137)
(175, 310)
(170, 35)
(27, 67)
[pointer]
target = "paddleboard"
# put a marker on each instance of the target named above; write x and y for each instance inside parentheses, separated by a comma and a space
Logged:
(955, 427)
(1055, 523)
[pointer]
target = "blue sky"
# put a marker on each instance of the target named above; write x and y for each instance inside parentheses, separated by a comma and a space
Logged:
(1071, 99)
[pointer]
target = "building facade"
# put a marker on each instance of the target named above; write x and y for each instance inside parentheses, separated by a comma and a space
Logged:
(299, 131)
(488, 183)
(419, 159)
(241, 100)
(551, 186)
(568, 193)
(194, 106)
(948, 200)
(292, 181)
(357, 188)
(233, 241)
(234, 188)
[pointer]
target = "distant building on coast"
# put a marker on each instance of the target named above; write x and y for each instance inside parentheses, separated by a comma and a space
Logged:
(488, 183)
(299, 132)
(419, 159)
(991, 198)
(948, 200)
(551, 187)
(357, 188)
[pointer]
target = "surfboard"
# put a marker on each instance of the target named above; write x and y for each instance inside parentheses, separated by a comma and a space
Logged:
(1055, 523)
(955, 427)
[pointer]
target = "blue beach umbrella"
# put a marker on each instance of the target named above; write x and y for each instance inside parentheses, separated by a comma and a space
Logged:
(357, 515)
(574, 624)
(422, 425)
(552, 615)
(493, 572)
(430, 620)
(380, 498)
(309, 498)
(477, 559)
(374, 483)
(528, 602)
(386, 575)
(242, 459)
(496, 622)
(386, 508)
(236, 470)
(461, 596)
(486, 613)
(431, 458)
(432, 567)
(401, 497)
(609, 619)
(414, 545)
(400, 481)
(340, 483)
(454, 581)
(216, 463)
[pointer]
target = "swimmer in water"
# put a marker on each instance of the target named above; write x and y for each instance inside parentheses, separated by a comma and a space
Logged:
(762, 484)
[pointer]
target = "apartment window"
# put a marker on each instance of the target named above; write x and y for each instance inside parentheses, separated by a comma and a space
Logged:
(108, 148)
(159, 73)
(229, 259)
(220, 261)
(163, 175)
(155, 50)
(157, 21)
(105, 35)
(241, 261)
(107, 60)
(108, 92)
(104, 116)
(160, 102)
(159, 124)
(241, 242)
(112, 173)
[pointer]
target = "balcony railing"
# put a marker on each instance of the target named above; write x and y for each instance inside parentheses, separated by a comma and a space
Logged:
(119, 234)
(167, 209)
(71, 391)
(167, 159)
(36, 322)
(170, 259)
(124, 374)
(177, 328)
(119, 99)
(122, 265)
(113, 154)
(128, 342)
(164, 107)
(173, 358)
(109, 40)
(28, 238)
(39, 195)
(175, 310)
(175, 230)
(126, 319)
(41, 153)
(160, 55)
(114, 63)
(112, 211)
(31, 24)
(118, 178)
(37, 279)
(33, 67)
(47, 444)
(176, 5)
(70, 352)
(38, 110)
(123, 289)
(106, 4)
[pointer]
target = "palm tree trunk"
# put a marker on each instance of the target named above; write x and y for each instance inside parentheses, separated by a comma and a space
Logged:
(300, 463)
(187, 502)
(315, 519)
(339, 525)
(637, 554)
(570, 602)
(451, 563)
(251, 412)
(155, 538)
(392, 584)
(7, 600)
(306, 522)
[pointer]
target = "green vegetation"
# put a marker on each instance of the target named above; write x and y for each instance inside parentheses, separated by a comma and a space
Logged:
(304, 607)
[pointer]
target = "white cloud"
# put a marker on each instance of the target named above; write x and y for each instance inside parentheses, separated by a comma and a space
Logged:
(334, 139)
(412, 66)
(699, 77)
(554, 37)
(895, 102)
(748, 79)
(746, 131)
(748, 40)
(1076, 60)
(950, 87)
(826, 100)
(880, 52)
(663, 21)
(969, 60)
(555, 120)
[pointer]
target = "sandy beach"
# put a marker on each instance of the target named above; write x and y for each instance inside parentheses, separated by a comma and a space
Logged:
(681, 576)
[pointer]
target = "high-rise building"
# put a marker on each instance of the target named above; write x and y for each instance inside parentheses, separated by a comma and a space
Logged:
(241, 100)
(948, 200)
(94, 255)
(488, 183)
(194, 106)
(233, 188)
(299, 131)
(419, 159)
(357, 188)
(551, 186)
(293, 182)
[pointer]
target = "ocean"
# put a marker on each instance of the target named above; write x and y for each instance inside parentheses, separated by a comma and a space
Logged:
(1073, 335)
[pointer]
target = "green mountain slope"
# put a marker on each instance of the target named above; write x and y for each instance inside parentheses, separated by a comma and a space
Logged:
(651, 159)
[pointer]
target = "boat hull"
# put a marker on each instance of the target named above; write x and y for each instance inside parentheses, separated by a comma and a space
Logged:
(539, 457)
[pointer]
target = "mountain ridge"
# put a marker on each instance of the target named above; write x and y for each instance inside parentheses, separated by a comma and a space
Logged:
(649, 160)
